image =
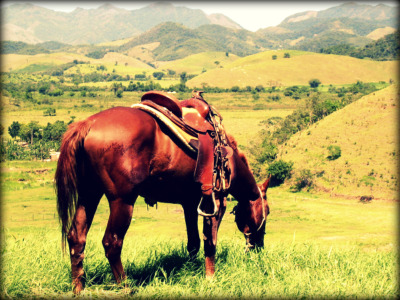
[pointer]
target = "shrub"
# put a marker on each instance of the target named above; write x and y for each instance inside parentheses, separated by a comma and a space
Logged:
(279, 171)
(50, 112)
(314, 83)
(119, 93)
(334, 152)
(235, 89)
(267, 152)
(305, 179)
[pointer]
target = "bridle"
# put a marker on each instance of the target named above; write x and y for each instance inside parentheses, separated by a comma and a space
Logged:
(263, 214)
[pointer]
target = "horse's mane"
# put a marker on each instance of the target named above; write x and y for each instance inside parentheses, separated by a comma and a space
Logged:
(234, 145)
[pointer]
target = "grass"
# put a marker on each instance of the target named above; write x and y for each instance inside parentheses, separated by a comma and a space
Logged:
(315, 246)
(197, 63)
(261, 69)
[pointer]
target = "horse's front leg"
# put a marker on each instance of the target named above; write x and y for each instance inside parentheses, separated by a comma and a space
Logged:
(192, 229)
(210, 230)
(118, 223)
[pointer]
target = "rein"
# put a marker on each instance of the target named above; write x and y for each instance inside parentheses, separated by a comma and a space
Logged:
(263, 209)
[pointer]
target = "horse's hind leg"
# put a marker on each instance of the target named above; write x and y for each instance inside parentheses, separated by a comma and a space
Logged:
(118, 224)
(77, 236)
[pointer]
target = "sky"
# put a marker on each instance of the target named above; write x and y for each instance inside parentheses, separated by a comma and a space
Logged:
(251, 15)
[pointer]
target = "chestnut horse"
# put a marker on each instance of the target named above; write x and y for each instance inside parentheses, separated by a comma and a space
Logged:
(123, 153)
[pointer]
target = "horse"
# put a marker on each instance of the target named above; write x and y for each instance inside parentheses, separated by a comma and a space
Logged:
(124, 152)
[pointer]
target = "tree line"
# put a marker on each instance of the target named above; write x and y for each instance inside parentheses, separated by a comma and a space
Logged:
(32, 140)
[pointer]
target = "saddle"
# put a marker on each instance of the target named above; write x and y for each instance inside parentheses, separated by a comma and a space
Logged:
(202, 121)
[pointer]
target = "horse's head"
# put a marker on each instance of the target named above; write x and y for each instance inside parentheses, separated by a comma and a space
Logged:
(251, 216)
(252, 209)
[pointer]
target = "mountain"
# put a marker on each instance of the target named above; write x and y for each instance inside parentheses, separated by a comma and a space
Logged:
(179, 31)
(349, 23)
(177, 41)
(32, 24)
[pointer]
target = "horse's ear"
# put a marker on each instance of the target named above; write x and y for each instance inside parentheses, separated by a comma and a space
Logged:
(266, 183)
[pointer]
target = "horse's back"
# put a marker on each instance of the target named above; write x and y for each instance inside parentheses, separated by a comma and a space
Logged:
(119, 125)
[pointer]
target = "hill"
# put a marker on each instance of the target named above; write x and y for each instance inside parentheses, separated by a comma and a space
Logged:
(385, 48)
(198, 63)
(366, 132)
(177, 41)
(32, 24)
(13, 62)
(262, 69)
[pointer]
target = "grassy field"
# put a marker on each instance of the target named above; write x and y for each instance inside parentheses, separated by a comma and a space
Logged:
(198, 63)
(297, 70)
(232, 106)
(315, 247)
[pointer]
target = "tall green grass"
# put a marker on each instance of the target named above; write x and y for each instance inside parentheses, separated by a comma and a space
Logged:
(158, 268)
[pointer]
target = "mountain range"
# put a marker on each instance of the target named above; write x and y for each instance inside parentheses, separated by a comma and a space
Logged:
(31, 23)
(181, 31)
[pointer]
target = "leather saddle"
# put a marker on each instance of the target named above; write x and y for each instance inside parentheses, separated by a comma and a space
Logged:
(190, 114)
(197, 118)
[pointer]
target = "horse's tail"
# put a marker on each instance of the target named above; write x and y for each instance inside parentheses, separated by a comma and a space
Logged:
(67, 174)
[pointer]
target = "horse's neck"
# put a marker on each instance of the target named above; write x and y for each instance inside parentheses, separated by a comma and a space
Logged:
(244, 186)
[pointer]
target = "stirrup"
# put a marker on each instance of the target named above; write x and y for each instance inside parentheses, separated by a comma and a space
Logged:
(202, 213)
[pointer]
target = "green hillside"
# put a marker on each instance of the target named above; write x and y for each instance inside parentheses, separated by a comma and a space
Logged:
(366, 132)
(262, 69)
(385, 48)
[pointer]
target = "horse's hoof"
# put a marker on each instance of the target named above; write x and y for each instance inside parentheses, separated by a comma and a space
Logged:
(78, 288)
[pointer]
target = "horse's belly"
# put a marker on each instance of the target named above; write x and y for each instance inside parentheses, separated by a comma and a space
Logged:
(169, 190)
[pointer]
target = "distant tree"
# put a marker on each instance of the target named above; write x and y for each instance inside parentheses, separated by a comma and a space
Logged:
(216, 62)
(227, 54)
(274, 57)
(14, 129)
(314, 83)
(115, 86)
(235, 89)
(259, 88)
(140, 76)
(184, 78)
(30, 131)
(158, 75)
(286, 55)
(119, 93)
(54, 132)
(50, 112)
